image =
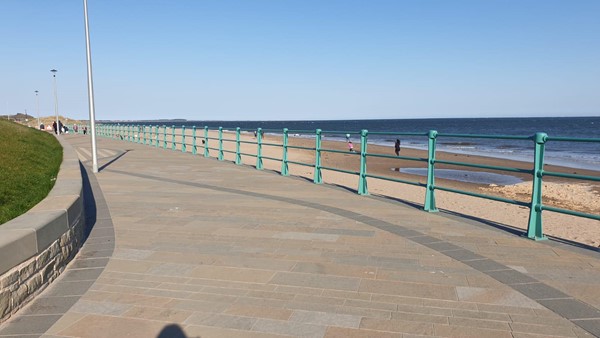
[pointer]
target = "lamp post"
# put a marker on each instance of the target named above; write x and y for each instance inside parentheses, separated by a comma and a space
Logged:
(55, 101)
(88, 53)
(37, 103)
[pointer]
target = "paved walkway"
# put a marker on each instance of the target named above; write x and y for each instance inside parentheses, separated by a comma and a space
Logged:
(184, 246)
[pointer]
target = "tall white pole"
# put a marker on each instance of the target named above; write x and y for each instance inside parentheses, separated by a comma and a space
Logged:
(56, 101)
(90, 88)
(37, 103)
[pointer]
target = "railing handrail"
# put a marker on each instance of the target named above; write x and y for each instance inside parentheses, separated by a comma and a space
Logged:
(151, 135)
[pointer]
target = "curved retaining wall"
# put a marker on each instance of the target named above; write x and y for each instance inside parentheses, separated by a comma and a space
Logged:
(36, 246)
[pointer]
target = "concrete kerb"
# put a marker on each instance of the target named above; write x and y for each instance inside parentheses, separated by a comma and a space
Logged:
(36, 246)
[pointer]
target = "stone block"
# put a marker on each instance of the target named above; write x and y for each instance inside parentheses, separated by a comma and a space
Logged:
(65, 238)
(54, 249)
(21, 294)
(42, 260)
(48, 226)
(34, 283)
(5, 303)
(27, 270)
(48, 271)
(9, 278)
(16, 246)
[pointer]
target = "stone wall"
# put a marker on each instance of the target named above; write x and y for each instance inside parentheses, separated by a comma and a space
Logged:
(36, 247)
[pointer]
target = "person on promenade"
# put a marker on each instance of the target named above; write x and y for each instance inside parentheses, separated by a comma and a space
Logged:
(75, 128)
(397, 147)
(54, 126)
(350, 146)
(84, 130)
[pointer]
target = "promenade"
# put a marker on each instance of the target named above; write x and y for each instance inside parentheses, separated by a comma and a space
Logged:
(184, 246)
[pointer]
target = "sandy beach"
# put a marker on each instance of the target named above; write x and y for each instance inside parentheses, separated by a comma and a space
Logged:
(559, 192)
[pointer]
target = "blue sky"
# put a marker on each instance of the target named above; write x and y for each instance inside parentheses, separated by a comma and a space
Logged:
(303, 59)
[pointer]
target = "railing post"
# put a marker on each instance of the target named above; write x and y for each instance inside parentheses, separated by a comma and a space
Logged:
(157, 135)
(183, 147)
(206, 153)
(318, 178)
(284, 159)
(145, 141)
(259, 161)
(220, 155)
(238, 156)
(362, 180)
(534, 229)
(151, 135)
(194, 147)
(173, 146)
(164, 136)
(430, 187)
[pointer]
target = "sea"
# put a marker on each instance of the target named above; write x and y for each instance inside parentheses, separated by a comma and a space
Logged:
(584, 155)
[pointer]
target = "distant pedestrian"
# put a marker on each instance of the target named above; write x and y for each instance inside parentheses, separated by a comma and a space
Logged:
(397, 147)
(350, 146)
(55, 127)
(84, 130)
(75, 128)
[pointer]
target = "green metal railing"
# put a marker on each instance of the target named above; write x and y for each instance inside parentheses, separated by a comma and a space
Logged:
(152, 136)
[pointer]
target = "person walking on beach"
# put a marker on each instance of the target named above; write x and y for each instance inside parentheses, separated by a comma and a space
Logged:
(350, 146)
(397, 147)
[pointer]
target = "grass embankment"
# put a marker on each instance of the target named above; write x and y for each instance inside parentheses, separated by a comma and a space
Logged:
(29, 163)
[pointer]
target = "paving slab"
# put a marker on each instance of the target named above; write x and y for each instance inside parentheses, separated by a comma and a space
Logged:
(187, 246)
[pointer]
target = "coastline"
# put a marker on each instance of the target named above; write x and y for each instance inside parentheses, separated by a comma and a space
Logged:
(560, 192)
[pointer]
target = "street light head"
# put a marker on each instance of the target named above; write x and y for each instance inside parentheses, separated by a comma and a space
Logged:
(36, 92)
(53, 72)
